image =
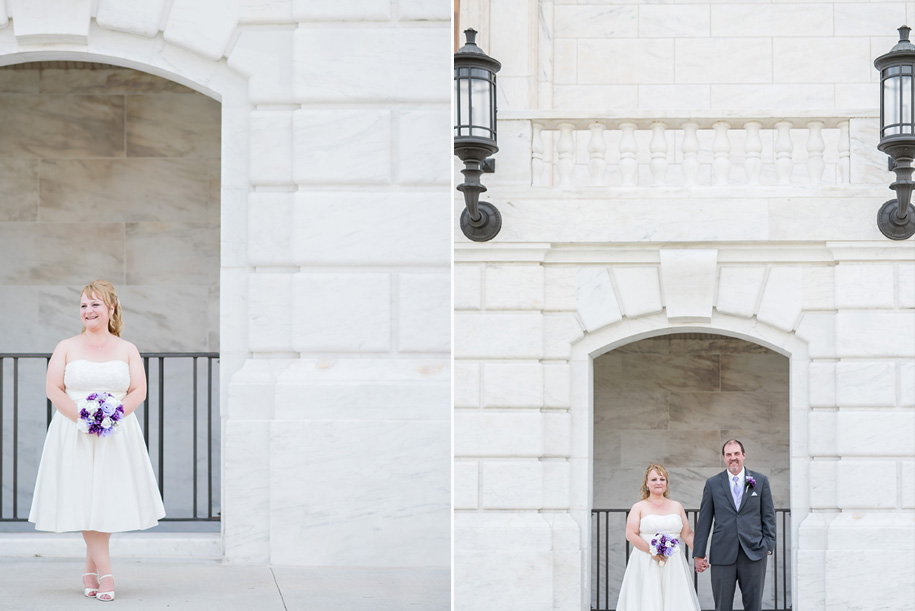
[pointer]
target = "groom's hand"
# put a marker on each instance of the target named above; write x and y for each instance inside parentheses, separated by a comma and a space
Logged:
(701, 564)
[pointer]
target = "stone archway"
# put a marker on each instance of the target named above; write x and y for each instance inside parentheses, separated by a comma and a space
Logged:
(38, 40)
(674, 399)
(625, 332)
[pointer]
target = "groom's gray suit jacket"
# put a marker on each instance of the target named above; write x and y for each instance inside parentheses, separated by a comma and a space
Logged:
(753, 526)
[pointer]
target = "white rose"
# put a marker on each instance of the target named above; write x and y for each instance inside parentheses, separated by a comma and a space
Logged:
(106, 423)
(82, 426)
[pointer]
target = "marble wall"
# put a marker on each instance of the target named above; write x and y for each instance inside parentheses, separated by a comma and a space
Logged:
(111, 173)
(675, 400)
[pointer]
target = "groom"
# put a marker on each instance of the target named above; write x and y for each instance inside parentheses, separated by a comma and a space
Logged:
(740, 503)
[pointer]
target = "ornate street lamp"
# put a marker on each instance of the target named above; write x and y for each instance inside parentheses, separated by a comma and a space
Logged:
(896, 218)
(475, 135)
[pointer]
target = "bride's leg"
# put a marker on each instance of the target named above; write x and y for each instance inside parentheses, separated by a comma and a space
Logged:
(97, 551)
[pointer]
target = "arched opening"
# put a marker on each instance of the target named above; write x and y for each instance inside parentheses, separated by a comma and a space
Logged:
(674, 399)
(110, 172)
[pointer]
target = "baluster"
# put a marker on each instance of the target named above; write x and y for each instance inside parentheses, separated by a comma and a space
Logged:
(597, 148)
(721, 146)
(844, 174)
(537, 164)
(815, 148)
(629, 166)
(783, 149)
(566, 149)
(658, 148)
(753, 151)
(690, 153)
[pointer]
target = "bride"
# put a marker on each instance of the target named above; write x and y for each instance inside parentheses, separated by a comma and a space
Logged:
(654, 582)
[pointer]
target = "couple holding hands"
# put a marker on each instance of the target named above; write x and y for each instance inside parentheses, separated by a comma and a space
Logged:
(739, 502)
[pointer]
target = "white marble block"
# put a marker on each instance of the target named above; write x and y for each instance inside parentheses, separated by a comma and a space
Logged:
(270, 229)
(512, 484)
(419, 135)
(387, 505)
(873, 433)
(341, 312)
(265, 57)
(875, 334)
(51, 21)
(135, 16)
(270, 312)
(640, 290)
(515, 433)
(865, 384)
(202, 26)
(513, 384)
(780, 305)
(864, 286)
(596, 298)
(866, 484)
(270, 151)
(497, 335)
(370, 228)
(513, 287)
(342, 146)
(382, 65)
(423, 312)
(688, 282)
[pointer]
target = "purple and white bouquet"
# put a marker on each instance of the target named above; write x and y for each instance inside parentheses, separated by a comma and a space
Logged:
(663, 545)
(99, 414)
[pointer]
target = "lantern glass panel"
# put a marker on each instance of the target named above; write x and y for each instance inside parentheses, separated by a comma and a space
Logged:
(891, 98)
(481, 99)
(463, 107)
(906, 105)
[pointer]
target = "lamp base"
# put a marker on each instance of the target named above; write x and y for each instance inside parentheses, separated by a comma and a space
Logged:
(484, 229)
(890, 226)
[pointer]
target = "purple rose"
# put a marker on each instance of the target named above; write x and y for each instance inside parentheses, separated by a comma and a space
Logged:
(751, 483)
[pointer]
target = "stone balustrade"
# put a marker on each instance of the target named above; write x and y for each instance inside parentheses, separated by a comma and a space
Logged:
(574, 150)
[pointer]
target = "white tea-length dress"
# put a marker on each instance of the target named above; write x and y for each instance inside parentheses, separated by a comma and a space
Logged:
(86, 482)
(648, 586)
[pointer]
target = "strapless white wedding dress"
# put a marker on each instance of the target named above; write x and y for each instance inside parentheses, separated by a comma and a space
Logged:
(647, 586)
(86, 482)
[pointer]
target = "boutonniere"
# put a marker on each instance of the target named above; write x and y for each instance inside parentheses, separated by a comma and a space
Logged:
(751, 483)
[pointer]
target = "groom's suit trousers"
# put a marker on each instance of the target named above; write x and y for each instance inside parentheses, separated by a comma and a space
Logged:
(750, 574)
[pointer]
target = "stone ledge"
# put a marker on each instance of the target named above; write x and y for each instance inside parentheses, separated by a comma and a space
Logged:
(123, 545)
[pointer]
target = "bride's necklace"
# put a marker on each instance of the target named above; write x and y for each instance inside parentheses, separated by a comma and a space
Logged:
(99, 346)
(658, 504)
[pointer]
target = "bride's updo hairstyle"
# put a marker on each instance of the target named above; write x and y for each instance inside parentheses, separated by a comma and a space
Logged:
(104, 290)
(661, 470)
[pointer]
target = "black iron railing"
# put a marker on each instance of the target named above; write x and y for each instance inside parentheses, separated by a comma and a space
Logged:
(608, 531)
(178, 422)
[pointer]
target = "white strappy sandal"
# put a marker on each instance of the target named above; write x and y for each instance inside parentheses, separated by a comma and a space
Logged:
(99, 595)
(90, 592)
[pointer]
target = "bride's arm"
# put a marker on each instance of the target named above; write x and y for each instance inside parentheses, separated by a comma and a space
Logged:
(687, 533)
(136, 394)
(632, 530)
(54, 383)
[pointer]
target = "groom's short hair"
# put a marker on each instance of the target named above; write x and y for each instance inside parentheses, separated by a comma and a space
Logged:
(742, 451)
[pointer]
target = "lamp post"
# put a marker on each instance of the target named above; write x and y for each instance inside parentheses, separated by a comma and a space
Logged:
(475, 135)
(896, 218)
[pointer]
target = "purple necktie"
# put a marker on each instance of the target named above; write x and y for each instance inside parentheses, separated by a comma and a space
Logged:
(736, 491)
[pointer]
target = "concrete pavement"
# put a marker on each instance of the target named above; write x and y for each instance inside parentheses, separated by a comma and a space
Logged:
(155, 583)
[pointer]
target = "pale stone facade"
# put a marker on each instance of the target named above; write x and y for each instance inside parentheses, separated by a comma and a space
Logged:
(703, 168)
(333, 256)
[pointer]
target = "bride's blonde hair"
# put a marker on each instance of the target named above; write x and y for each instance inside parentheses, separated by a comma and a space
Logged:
(104, 290)
(661, 471)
